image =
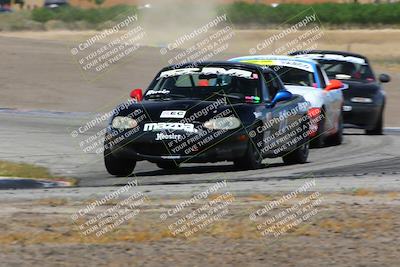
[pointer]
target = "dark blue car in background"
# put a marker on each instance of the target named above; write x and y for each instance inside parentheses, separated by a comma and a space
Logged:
(364, 100)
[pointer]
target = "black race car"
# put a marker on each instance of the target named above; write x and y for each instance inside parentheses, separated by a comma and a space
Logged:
(364, 100)
(209, 112)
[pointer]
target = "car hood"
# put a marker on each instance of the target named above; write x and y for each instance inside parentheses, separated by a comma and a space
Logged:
(360, 89)
(195, 110)
(310, 94)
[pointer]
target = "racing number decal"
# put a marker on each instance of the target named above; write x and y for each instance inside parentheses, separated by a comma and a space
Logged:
(282, 120)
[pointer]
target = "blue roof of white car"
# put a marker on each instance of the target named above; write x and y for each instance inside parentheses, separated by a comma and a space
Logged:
(272, 57)
(287, 61)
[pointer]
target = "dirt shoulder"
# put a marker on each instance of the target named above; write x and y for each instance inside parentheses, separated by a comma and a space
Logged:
(358, 228)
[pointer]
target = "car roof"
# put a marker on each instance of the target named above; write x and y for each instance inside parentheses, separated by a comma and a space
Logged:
(342, 53)
(49, 2)
(219, 63)
(272, 57)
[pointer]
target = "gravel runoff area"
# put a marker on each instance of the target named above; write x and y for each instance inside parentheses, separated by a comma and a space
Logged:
(301, 222)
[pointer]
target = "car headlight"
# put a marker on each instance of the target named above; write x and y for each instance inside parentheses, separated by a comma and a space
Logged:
(120, 122)
(226, 123)
(361, 100)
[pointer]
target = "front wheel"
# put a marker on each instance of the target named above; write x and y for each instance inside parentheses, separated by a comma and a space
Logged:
(118, 166)
(299, 155)
(251, 160)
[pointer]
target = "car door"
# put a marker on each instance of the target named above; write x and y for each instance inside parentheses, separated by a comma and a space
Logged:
(333, 102)
(279, 115)
(268, 115)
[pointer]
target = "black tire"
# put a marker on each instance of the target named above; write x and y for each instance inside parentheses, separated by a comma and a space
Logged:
(251, 160)
(337, 138)
(378, 129)
(168, 165)
(299, 155)
(319, 139)
(118, 166)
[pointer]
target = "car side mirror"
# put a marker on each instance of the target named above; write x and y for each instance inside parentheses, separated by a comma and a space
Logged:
(281, 96)
(137, 94)
(334, 85)
(384, 78)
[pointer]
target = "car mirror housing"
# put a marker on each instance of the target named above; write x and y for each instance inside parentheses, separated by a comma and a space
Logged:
(281, 96)
(384, 78)
(334, 85)
(137, 94)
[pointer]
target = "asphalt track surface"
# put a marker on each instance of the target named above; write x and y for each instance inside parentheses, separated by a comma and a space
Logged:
(44, 138)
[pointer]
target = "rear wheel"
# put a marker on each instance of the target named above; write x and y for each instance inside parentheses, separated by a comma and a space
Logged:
(378, 129)
(118, 166)
(168, 165)
(337, 138)
(251, 160)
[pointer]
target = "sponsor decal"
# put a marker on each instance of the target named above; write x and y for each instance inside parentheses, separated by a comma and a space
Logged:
(163, 136)
(282, 62)
(283, 123)
(178, 72)
(173, 126)
(230, 72)
(351, 59)
(252, 99)
(175, 114)
(171, 157)
(152, 92)
(207, 71)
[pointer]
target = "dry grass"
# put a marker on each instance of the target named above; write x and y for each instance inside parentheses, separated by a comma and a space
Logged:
(361, 221)
(11, 169)
(361, 192)
(24, 170)
(259, 197)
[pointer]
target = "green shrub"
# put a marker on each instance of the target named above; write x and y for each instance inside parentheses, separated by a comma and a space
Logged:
(42, 14)
(330, 13)
(244, 13)
(72, 14)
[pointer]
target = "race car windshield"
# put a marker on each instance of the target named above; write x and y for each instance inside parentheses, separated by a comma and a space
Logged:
(343, 70)
(239, 85)
(295, 76)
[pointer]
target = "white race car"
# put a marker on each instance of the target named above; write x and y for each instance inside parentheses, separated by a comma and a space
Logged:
(305, 77)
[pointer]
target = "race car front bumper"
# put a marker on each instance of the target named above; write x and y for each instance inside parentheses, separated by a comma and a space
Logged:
(226, 147)
(361, 115)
